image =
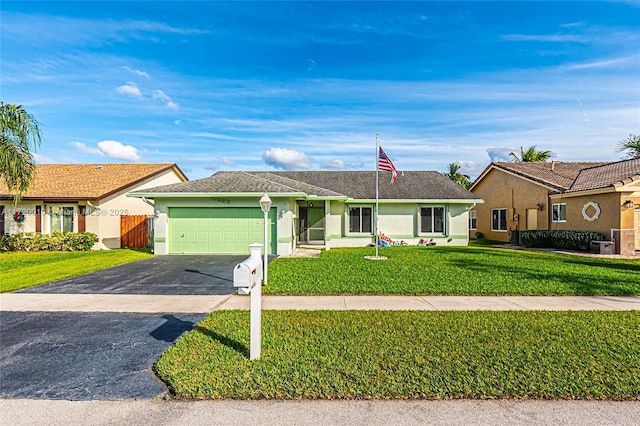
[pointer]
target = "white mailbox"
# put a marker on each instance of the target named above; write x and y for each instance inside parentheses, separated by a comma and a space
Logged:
(248, 273)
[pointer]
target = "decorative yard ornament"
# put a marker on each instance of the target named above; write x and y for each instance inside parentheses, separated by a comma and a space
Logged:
(596, 211)
(18, 217)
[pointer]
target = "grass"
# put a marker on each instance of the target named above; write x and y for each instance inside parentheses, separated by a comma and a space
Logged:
(21, 269)
(453, 271)
(398, 355)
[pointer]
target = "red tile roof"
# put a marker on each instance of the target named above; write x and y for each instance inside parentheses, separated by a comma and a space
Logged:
(87, 181)
(556, 174)
(608, 175)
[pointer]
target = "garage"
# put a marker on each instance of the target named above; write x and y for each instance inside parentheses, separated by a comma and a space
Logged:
(218, 230)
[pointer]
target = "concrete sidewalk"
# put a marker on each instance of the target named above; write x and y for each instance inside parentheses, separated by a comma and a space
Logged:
(314, 412)
(37, 302)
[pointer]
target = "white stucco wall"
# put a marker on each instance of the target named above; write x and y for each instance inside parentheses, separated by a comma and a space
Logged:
(103, 219)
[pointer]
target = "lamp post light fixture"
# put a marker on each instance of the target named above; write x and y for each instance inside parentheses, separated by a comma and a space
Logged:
(265, 205)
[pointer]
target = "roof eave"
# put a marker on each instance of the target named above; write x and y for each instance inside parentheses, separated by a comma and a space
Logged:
(154, 195)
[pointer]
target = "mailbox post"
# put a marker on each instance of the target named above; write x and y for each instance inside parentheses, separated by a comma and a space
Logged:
(256, 310)
(247, 276)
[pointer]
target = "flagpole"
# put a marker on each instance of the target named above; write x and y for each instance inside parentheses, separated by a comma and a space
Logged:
(377, 171)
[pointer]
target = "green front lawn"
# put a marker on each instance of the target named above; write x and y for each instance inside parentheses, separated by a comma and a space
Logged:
(453, 271)
(21, 269)
(398, 355)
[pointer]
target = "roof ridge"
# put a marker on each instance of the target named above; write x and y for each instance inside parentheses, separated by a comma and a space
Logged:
(304, 183)
(267, 180)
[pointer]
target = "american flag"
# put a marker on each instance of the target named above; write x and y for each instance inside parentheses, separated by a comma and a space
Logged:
(384, 163)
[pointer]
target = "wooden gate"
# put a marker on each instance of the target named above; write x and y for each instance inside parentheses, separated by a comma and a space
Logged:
(135, 231)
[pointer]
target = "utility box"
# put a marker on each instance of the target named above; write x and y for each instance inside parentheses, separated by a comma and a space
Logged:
(601, 247)
(248, 273)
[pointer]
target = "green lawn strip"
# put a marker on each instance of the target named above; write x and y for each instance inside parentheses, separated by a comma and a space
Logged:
(401, 354)
(453, 271)
(21, 270)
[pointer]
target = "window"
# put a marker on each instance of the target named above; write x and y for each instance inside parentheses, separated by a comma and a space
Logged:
(61, 219)
(499, 219)
(360, 220)
(559, 212)
(431, 220)
(472, 219)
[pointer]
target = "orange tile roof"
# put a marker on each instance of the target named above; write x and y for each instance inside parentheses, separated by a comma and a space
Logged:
(86, 181)
(557, 174)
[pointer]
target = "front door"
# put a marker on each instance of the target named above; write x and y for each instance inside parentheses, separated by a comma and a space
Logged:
(532, 219)
(311, 223)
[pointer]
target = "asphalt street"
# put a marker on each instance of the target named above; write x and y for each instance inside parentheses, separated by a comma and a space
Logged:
(85, 356)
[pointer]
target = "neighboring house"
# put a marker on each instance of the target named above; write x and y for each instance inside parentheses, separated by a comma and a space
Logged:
(601, 197)
(221, 213)
(85, 197)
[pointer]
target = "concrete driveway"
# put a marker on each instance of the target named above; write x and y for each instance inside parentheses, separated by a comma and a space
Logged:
(105, 355)
(163, 275)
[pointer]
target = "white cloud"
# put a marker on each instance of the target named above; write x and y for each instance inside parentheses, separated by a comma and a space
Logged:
(159, 94)
(111, 149)
(226, 161)
(500, 153)
(334, 165)
(471, 168)
(138, 72)
(286, 159)
(605, 63)
(130, 89)
(85, 149)
(42, 159)
(117, 150)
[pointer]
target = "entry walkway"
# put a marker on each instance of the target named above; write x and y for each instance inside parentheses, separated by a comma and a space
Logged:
(35, 302)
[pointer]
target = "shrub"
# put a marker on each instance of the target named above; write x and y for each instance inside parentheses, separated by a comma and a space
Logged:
(479, 235)
(57, 241)
(561, 239)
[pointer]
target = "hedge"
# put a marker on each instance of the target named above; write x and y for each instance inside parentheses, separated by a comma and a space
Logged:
(561, 239)
(57, 241)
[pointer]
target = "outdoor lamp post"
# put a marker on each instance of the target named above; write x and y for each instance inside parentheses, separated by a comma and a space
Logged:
(265, 205)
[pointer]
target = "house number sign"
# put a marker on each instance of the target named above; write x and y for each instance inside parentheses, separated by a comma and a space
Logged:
(596, 211)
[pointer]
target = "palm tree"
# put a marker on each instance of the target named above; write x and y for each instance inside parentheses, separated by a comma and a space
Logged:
(531, 155)
(20, 135)
(456, 175)
(632, 147)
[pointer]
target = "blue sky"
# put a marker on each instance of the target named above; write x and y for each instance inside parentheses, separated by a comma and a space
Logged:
(307, 85)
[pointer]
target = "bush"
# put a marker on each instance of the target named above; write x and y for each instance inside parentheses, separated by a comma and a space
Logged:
(479, 235)
(560, 239)
(57, 241)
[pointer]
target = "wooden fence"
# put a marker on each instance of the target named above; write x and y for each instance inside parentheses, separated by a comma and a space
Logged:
(136, 231)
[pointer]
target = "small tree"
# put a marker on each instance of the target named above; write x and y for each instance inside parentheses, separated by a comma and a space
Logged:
(531, 155)
(20, 135)
(456, 175)
(630, 147)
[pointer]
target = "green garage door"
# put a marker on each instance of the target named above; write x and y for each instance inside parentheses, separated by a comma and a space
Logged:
(227, 230)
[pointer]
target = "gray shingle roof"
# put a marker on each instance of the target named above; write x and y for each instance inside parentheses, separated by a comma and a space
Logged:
(612, 174)
(411, 185)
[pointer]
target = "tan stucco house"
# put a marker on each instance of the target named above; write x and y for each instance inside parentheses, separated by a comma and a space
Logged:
(595, 196)
(84, 197)
(221, 213)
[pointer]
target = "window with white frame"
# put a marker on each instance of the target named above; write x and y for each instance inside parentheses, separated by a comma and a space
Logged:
(432, 220)
(559, 212)
(360, 220)
(472, 219)
(62, 218)
(499, 220)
